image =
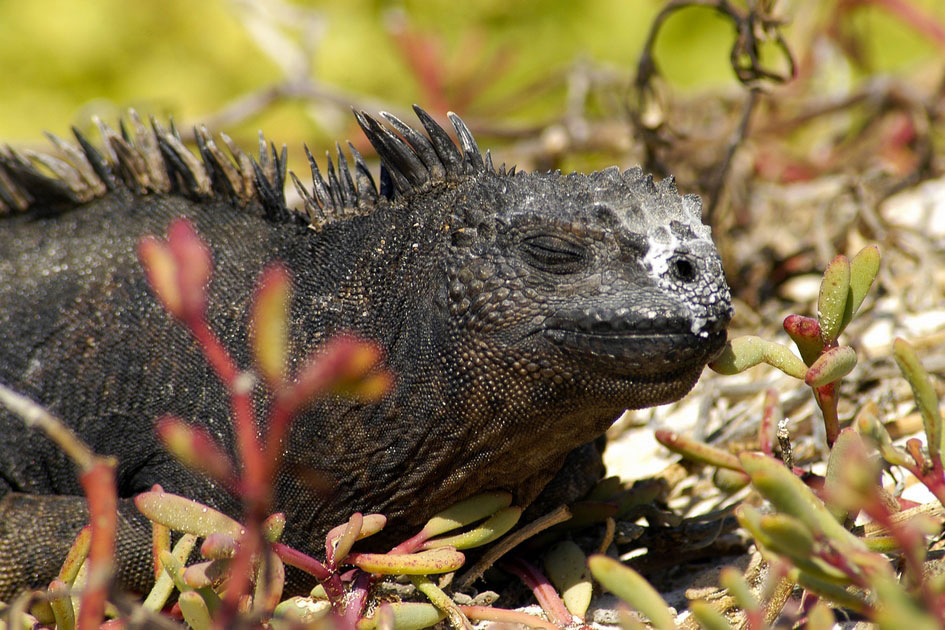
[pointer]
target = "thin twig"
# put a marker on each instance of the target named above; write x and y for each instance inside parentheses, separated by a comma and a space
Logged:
(508, 543)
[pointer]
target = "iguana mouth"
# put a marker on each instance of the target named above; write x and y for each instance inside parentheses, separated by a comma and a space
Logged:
(637, 343)
(649, 350)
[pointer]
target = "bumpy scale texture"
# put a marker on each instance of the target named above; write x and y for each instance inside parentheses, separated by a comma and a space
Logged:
(520, 312)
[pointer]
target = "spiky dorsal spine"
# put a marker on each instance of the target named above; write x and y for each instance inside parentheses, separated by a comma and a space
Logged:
(151, 159)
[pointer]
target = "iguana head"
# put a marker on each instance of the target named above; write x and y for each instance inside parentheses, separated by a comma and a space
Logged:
(605, 286)
(606, 277)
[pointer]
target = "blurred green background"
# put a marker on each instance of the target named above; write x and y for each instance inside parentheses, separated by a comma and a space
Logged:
(62, 60)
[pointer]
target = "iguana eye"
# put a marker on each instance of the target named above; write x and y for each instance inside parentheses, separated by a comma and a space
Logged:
(553, 253)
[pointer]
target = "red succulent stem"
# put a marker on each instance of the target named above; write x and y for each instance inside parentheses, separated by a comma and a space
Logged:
(411, 544)
(357, 599)
(244, 422)
(909, 540)
(826, 397)
(241, 569)
(327, 578)
(544, 592)
(98, 483)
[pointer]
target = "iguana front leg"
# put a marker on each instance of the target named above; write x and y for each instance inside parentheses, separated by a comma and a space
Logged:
(36, 532)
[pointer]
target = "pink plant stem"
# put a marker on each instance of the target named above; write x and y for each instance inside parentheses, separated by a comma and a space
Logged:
(213, 350)
(909, 540)
(280, 418)
(310, 565)
(411, 544)
(241, 569)
(98, 483)
(934, 480)
(766, 430)
(357, 598)
(544, 592)
(827, 401)
(243, 419)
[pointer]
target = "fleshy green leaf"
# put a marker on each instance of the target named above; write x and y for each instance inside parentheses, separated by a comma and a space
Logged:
(567, 568)
(164, 585)
(708, 617)
(441, 600)
(195, 610)
(734, 582)
(61, 604)
(489, 530)
(925, 396)
(76, 556)
(847, 453)
(184, 515)
(630, 586)
(440, 560)
(863, 269)
(466, 512)
(745, 352)
(867, 424)
(834, 294)
(789, 495)
(831, 366)
(406, 616)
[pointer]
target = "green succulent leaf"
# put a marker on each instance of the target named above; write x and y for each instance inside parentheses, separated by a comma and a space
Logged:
(630, 586)
(76, 556)
(788, 494)
(847, 460)
(440, 560)
(175, 569)
(301, 610)
(466, 512)
(487, 531)
(164, 585)
(341, 543)
(834, 295)
(566, 565)
(61, 604)
(863, 269)
(195, 611)
(831, 366)
(745, 352)
(184, 515)
(708, 617)
(925, 396)
(734, 582)
(441, 600)
(406, 616)
(788, 535)
(273, 527)
(834, 593)
(729, 481)
(868, 424)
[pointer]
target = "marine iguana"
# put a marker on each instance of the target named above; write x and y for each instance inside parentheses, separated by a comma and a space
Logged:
(520, 312)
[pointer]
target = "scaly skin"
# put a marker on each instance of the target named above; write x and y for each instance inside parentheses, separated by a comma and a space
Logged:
(521, 314)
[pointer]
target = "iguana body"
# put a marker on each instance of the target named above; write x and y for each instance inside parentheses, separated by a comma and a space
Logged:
(520, 313)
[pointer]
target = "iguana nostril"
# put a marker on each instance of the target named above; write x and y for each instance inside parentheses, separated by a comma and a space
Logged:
(684, 269)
